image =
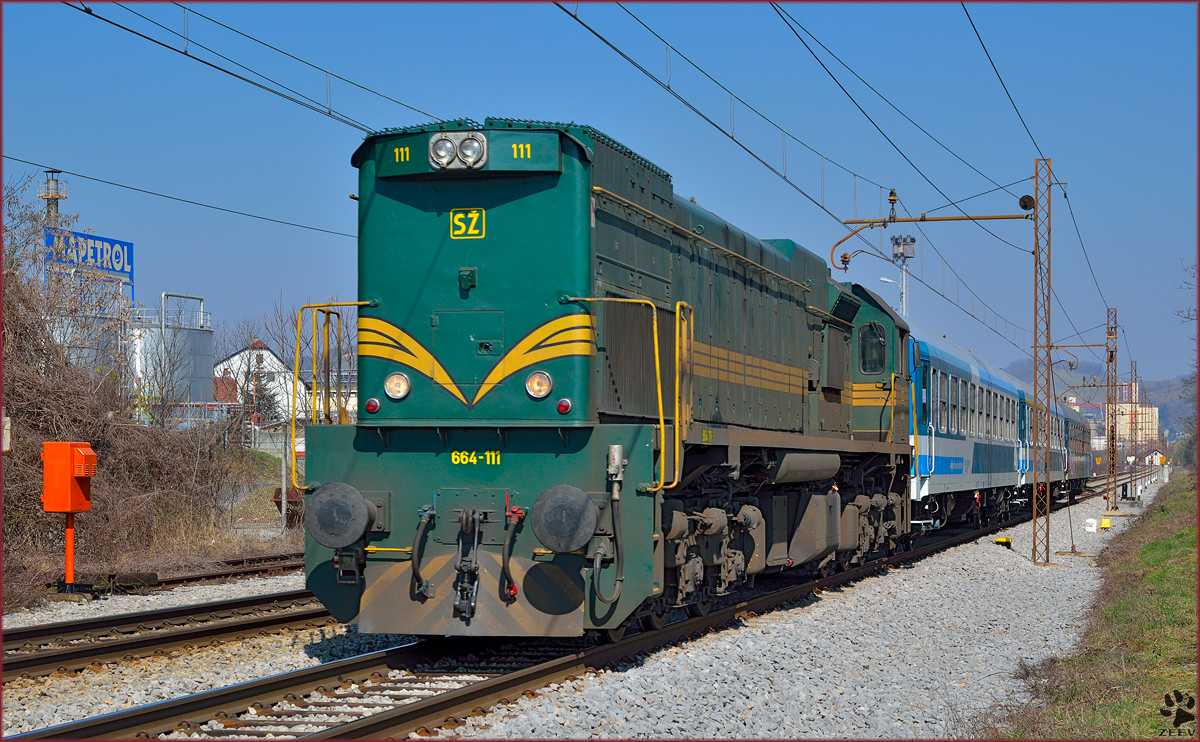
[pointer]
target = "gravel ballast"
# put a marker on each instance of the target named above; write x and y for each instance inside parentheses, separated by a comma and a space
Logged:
(186, 595)
(908, 653)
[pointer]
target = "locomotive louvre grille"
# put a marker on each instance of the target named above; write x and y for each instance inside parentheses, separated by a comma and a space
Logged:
(626, 354)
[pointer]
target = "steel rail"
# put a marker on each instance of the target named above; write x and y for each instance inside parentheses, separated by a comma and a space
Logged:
(127, 622)
(158, 718)
(155, 632)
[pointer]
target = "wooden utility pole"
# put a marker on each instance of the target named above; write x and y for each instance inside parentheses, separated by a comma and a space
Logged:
(1043, 398)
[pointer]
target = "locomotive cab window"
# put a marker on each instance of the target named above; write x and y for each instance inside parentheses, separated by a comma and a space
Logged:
(872, 348)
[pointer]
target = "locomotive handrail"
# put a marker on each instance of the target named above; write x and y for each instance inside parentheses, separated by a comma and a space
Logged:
(693, 236)
(680, 423)
(296, 374)
(662, 422)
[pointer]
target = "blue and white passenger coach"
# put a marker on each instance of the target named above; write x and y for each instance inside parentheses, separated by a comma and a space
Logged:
(971, 431)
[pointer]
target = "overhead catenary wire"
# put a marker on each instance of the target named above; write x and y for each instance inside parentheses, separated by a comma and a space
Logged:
(784, 18)
(193, 42)
(310, 64)
(999, 77)
(897, 110)
(776, 172)
(317, 108)
(712, 123)
(736, 97)
(182, 200)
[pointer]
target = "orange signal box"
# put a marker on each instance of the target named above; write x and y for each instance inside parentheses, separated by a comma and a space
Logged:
(67, 469)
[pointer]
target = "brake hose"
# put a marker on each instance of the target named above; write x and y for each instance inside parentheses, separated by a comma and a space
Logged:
(618, 546)
(514, 517)
(423, 586)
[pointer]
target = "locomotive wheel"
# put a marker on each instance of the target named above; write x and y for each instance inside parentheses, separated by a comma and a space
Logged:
(654, 621)
(612, 636)
(696, 610)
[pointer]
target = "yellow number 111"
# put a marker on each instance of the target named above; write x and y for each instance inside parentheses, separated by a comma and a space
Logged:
(402, 154)
(522, 151)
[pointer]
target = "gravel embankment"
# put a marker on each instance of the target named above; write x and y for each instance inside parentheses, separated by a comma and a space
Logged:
(904, 654)
(187, 595)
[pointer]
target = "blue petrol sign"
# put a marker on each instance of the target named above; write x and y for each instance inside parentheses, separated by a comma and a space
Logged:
(112, 257)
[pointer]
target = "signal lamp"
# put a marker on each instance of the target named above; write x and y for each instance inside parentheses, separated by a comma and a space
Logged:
(396, 386)
(539, 384)
(372, 405)
(564, 406)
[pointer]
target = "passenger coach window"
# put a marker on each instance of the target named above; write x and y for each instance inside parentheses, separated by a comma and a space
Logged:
(987, 412)
(943, 402)
(971, 411)
(962, 406)
(953, 406)
(872, 346)
(925, 394)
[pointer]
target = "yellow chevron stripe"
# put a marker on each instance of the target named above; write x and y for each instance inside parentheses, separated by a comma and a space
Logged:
(570, 335)
(379, 338)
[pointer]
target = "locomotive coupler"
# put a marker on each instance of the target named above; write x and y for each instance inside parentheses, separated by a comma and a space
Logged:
(467, 584)
(349, 563)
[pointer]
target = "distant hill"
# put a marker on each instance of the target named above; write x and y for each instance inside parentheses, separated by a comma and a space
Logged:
(1166, 395)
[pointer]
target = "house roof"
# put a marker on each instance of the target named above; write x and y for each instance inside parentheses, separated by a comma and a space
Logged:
(256, 345)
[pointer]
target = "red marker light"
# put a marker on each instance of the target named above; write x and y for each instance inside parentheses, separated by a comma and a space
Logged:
(564, 406)
(372, 405)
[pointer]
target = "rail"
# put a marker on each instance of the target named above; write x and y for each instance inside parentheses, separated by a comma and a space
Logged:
(326, 309)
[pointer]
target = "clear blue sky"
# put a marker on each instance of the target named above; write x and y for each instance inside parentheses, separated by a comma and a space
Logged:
(1107, 90)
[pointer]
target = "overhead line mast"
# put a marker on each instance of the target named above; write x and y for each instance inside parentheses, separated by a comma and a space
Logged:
(1042, 394)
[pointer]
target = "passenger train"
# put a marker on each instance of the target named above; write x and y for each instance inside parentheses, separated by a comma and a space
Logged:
(584, 401)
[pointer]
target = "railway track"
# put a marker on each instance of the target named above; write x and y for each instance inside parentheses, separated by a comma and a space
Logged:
(434, 682)
(67, 646)
(248, 567)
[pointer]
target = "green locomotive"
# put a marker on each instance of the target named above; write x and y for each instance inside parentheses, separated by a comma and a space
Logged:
(585, 401)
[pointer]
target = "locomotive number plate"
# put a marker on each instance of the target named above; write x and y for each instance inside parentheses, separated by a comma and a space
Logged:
(469, 458)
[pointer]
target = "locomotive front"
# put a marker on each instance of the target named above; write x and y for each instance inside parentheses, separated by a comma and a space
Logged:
(476, 493)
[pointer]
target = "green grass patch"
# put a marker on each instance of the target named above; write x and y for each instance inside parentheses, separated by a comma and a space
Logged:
(1140, 642)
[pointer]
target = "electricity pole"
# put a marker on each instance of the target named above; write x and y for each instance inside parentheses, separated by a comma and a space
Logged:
(1110, 409)
(1042, 396)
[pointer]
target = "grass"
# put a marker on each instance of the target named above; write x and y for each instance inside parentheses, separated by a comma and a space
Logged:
(1140, 642)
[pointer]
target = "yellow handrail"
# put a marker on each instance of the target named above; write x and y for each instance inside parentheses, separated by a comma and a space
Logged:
(681, 422)
(892, 386)
(296, 373)
(662, 423)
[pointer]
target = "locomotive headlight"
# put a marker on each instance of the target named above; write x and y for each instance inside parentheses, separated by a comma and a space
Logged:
(396, 386)
(443, 151)
(470, 149)
(539, 384)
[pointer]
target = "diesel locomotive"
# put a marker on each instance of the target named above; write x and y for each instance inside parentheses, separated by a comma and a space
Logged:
(585, 401)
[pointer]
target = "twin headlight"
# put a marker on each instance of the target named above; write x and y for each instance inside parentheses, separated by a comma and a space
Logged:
(538, 385)
(458, 150)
